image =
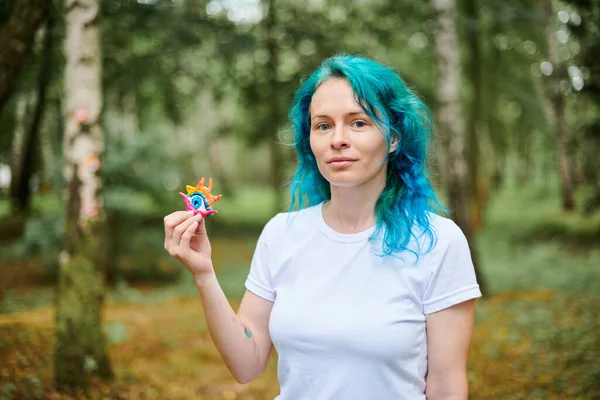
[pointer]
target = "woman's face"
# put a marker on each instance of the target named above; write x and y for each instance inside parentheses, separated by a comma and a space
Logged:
(347, 144)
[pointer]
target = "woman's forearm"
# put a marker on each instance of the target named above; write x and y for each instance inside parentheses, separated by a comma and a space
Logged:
(451, 386)
(233, 340)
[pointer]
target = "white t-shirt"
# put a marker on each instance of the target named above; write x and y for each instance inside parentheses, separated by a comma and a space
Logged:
(347, 323)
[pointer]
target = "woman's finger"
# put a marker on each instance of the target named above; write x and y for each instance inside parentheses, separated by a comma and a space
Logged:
(202, 226)
(184, 244)
(172, 220)
(181, 228)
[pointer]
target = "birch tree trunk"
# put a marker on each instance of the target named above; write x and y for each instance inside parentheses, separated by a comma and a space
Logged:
(80, 345)
(451, 124)
(557, 103)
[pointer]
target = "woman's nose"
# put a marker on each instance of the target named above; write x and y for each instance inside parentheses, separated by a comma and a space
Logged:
(339, 139)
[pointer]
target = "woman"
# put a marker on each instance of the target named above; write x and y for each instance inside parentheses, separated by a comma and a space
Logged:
(364, 292)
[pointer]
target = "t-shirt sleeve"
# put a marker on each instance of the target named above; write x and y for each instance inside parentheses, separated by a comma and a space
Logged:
(452, 277)
(259, 278)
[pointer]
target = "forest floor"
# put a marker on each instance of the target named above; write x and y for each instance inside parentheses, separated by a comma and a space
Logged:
(537, 331)
(526, 345)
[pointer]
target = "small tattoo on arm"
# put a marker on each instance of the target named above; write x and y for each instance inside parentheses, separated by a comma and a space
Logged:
(247, 332)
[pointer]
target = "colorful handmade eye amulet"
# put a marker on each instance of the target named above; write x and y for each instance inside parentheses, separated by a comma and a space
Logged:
(199, 199)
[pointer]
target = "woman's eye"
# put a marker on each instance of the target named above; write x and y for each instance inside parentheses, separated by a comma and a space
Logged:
(360, 124)
(323, 127)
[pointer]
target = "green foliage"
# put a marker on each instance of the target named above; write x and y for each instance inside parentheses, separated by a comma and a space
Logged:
(43, 235)
(232, 278)
(43, 238)
(528, 243)
(159, 57)
(301, 43)
(249, 205)
(158, 53)
(136, 169)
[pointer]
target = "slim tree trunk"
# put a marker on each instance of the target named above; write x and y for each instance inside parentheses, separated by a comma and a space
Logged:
(451, 124)
(22, 113)
(490, 136)
(277, 173)
(32, 138)
(80, 344)
(557, 102)
(16, 40)
(474, 74)
(13, 226)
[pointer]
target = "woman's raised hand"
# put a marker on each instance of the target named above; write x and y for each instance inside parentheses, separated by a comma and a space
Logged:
(187, 241)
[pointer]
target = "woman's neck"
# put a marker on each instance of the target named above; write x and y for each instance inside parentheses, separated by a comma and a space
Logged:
(352, 209)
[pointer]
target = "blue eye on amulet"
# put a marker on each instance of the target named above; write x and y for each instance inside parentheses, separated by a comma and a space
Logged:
(198, 202)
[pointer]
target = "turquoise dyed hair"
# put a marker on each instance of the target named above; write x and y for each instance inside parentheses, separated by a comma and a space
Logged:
(408, 197)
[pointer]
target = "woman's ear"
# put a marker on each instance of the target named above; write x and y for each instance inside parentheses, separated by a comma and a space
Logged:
(394, 142)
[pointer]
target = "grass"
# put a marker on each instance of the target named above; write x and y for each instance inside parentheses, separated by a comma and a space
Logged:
(537, 333)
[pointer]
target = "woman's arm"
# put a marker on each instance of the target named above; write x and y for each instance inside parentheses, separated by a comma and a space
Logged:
(242, 339)
(449, 334)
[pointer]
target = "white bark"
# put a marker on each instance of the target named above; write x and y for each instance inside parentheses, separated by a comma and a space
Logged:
(83, 140)
(79, 341)
(451, 123)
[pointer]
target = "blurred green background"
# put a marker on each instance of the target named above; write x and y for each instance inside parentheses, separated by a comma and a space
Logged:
(197, 88)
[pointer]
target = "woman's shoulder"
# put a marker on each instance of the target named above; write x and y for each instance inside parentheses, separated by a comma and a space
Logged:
(446, 232)
(443, 224)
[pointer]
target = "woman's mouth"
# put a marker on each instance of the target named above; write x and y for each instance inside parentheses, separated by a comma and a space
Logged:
(340, 162)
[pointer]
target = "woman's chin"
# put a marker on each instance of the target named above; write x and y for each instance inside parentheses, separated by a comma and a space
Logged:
(344, 181)
(351, 179)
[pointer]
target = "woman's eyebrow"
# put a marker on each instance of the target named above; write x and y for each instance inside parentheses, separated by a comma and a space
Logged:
(349, 114)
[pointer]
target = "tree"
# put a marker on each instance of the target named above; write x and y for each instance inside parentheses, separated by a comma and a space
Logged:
(451, 124)
(476, 118)
(273, 120)
(557, 102)
(26, 140)
(587, 31)
(16, 41)
(80, 345)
